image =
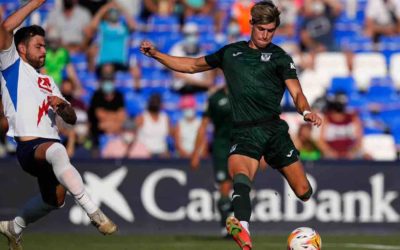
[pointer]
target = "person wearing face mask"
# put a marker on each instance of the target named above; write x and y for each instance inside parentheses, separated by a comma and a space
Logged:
(112, 25)
(106, 112)
(70, 21)
(198, 7)
(57, 63)
(316, 32)
(190, 47)
(153, 128)
(186, 129)
(341, 132)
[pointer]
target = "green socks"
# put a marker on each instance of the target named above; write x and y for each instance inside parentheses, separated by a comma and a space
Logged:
(241, 197)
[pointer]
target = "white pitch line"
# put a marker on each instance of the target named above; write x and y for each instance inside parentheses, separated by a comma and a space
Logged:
(344, 246)
(365, 246)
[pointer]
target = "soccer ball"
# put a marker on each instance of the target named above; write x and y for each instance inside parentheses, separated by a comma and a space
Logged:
(304, 238)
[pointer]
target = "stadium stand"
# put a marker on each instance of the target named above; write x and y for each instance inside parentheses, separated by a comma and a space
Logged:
(371, 79)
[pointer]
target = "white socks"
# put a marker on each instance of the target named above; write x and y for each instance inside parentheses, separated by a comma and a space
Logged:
(69, 177)
(33, 210)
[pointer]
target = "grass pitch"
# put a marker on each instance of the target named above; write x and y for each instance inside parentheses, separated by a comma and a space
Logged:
(140, 242)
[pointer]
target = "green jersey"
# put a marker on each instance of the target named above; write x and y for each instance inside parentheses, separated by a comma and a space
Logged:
(255, 78)
(219, 112)
(56, 61)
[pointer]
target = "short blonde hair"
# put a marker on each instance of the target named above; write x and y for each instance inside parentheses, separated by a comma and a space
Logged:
(265, 12)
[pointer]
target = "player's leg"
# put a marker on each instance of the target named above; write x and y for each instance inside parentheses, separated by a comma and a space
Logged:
(224, 202)
(220, 164)
(242, 170)
(52, 195)
(296, 177)
(281, 154)
(56, 155)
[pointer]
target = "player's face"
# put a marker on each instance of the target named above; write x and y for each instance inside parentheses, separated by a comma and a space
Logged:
(262, 34)
(36, 52)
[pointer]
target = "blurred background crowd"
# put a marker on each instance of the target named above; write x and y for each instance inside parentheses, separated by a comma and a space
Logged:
(347, 54)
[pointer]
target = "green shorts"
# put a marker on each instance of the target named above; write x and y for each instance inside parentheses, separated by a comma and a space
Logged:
(270, 140)
(220, 154)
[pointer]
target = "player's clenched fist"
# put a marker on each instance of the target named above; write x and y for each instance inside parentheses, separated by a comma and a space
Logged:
(313, 118)
(148, 49)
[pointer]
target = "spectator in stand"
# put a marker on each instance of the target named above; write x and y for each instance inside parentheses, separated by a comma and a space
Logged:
(81, 126)
(198, 7)
(92, 5)
(288, 18)
(190, 47)
(187, 127)
(316, 32)
(157, 7)
(70, 21)
(113, 36)
(106, 112)
(341, 131)
(382, 18)
(57, 63)
(132, 7)
(241, 13)
(3, 132)
(306, 145)
(153, 128)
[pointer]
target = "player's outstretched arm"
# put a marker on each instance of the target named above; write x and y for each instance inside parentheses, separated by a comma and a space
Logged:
(301, 102)
(200, 141)
(180, 64)
(15, 20)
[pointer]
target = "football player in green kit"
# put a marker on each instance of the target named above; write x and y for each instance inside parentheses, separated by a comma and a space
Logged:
(257, 73)
(219, 113)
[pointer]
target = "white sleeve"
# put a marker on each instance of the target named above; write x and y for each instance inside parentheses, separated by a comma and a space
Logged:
(8, 57)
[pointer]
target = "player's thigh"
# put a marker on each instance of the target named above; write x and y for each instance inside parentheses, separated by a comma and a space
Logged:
(52, 191)
(296, 177)
(242, 164)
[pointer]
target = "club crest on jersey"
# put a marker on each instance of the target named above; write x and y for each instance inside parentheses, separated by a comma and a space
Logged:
(44, 84)
(265, 57)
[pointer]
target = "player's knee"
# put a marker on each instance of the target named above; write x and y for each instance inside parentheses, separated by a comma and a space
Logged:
(56, 153)
(305, 193)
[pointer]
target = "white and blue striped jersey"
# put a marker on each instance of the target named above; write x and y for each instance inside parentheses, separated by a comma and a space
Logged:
(25, 99)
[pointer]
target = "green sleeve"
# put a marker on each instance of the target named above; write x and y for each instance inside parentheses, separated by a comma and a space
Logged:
(215, 60)
(288, 68)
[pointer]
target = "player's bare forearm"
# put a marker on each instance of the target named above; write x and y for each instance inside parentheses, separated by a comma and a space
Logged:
(199, 143)
(67, 113)
(180, 64)
(301, 102)
(18, 17)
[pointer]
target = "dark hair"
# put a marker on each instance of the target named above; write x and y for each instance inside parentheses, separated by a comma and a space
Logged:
(24, 34)
(265, 12)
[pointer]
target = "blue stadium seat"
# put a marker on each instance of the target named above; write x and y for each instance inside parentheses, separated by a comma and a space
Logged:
(170, 101)
(163, 24)
(384, 94)
(372, 124)
(357, 44)
(89, 80)
(345, 85)
(79, 60)
(134, 103)
(205, 23)
(124, 81)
